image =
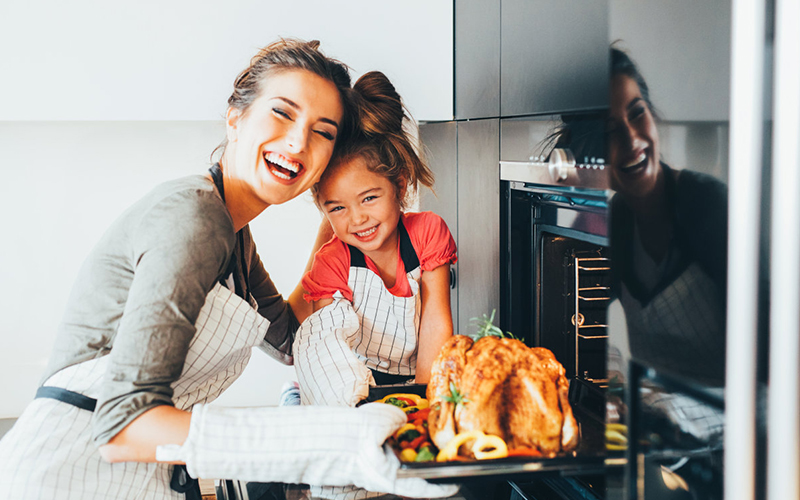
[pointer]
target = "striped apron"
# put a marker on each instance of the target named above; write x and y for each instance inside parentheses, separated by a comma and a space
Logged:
(343, 348)
(49, 452)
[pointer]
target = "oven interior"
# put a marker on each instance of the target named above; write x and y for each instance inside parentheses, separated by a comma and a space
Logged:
(557, 283)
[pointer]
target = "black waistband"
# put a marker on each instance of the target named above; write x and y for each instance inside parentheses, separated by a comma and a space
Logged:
(67, 396)
(382, 378)
(180, 482)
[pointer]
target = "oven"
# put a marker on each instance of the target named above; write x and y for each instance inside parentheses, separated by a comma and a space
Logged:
(556, 284)
(556, 281)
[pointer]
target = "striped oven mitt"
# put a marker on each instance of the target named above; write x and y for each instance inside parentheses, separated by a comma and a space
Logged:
(301, 444)
(328, 370)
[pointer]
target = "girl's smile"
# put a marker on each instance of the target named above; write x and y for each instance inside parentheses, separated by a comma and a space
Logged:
(362, 207)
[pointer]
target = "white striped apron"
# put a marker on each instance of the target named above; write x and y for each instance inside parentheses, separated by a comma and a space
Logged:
(337, 346)
(49, 454)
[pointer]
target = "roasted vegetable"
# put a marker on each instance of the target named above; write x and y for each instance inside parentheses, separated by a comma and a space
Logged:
(412, 438)
(482, 446)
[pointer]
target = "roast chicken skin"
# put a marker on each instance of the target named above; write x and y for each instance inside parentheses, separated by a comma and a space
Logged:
(447, 368)
(507, 389)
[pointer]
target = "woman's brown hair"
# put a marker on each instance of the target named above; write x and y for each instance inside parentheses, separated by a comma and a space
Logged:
(380, 139)
(291, 54)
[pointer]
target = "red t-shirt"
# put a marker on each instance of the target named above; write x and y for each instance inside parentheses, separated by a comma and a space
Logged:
(429, 235)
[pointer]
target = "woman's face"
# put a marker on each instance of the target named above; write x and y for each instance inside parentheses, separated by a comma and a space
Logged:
(362, 207)
(282, 143)
(633, 146)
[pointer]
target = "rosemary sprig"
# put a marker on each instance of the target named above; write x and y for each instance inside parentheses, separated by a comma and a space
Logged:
(455, 397)
(486, 328)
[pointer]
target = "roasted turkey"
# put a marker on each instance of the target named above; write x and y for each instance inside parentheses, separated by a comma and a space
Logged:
(505, 388)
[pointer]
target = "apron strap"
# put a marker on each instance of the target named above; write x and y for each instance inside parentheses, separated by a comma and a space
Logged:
(407, 252)
(67, 396)
(382, 378)
(238, 269)
(180, 482)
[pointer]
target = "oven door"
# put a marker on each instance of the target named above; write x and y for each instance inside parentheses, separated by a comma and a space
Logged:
(554, 293)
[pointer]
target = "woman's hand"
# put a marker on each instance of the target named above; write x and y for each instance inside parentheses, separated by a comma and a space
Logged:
(436, 323)
(137, 442)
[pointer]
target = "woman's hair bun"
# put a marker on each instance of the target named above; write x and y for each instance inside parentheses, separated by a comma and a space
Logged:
(380, 107)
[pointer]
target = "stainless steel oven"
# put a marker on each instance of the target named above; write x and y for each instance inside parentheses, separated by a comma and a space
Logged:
(556, 281)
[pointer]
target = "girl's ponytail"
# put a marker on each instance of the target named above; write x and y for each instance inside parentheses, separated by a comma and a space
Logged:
(389, 146)
(380, 108)
(381, 140)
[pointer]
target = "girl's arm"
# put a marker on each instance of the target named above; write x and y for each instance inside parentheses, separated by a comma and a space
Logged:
(319, 304)
(300, 307)
(436, 323)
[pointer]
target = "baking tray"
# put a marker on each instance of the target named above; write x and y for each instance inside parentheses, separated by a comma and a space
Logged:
(591, 456)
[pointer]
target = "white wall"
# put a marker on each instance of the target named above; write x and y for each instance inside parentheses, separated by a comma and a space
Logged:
(99, 105)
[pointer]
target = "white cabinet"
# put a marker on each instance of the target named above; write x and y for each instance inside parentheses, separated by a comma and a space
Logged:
(177, 60)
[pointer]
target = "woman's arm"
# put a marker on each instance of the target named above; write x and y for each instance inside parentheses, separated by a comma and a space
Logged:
(436, 323)
(300, 307)
(137, 442)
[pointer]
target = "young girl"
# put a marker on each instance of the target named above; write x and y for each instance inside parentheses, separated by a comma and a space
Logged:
(380, 288)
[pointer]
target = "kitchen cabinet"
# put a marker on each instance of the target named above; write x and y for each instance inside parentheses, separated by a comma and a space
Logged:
(177, 60)
(553, 56)
(464, 156)
(439, 140)
(689, 80)
(477, 59)
(478, 219)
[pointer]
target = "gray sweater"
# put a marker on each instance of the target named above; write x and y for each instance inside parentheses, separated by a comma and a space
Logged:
(139, 292)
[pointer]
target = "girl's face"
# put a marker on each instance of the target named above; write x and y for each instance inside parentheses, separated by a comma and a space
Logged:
(281, 145)
(633, 146)
(362, 207)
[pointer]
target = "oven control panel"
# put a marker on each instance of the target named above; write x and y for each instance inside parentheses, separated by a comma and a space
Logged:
(559, 170)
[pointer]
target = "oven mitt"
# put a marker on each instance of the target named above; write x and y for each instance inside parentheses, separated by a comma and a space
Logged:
(328, 370)
(301, 444)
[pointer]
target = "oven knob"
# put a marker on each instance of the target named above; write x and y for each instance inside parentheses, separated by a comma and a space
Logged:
(561, 161)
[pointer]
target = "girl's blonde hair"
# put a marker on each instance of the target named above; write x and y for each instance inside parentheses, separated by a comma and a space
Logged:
(380, 139)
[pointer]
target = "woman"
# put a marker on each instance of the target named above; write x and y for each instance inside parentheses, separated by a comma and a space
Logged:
(166, 309)
(669, 234)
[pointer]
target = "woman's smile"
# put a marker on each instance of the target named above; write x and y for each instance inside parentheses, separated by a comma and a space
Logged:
(633, 143)
(636, 165)
(284, 169)
(282, 143)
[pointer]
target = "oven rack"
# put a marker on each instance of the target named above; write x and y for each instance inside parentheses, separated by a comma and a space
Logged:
(593, 294)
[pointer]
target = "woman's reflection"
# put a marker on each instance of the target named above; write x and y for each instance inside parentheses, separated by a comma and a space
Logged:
(668, 241)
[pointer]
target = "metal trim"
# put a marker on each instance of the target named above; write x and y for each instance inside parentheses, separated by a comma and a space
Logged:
(747, 95)
(783, 429)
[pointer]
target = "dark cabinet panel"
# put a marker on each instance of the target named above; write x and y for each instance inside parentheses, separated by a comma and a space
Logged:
(689, 79)
(439, 143)
(554, 56)
(478, 220)
(477, 58)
